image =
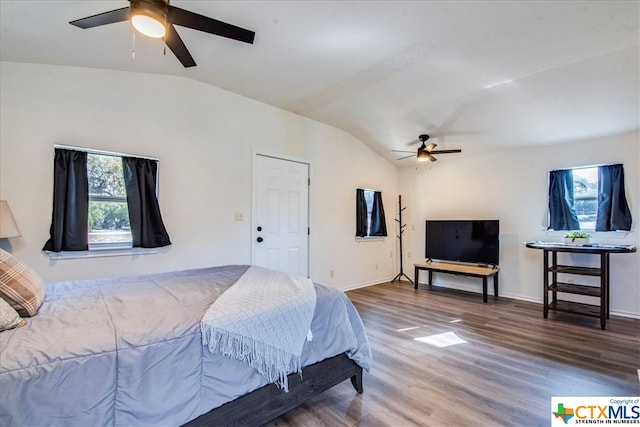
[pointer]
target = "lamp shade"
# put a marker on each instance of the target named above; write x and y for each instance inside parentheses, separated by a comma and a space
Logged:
(8, 226)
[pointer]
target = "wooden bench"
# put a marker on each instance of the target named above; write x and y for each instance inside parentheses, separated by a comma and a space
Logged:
(462, 270)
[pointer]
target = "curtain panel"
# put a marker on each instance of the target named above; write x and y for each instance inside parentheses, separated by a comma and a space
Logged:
(378, 224)
(70, 216)
(613, 209)
(562, 215)
(147, 228)
(362, 225)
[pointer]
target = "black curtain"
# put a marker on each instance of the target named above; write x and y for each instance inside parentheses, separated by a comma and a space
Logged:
(562, 214)
(613, 210)
(361, 214)
(70, 217)
(147, 228)
(378, 223)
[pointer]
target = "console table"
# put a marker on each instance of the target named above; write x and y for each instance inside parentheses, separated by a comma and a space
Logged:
(462, 270)
(555, 286)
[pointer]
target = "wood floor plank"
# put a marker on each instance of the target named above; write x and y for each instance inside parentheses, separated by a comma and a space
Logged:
(511, 363)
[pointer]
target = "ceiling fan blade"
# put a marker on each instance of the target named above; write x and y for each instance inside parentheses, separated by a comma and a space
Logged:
(104, 18)
(177, 46)
(414, 142)
(188, 19)
(430, 147)
(446, 151)
(405, 157)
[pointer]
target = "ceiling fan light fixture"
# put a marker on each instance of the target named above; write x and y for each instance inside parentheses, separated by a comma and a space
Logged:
(423, 153)
(149, 19)
(423, 156)
(148, 26)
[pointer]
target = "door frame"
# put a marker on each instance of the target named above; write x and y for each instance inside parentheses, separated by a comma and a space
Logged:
(254, 155)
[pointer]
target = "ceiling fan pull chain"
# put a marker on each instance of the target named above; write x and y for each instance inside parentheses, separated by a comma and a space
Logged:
(133, 45)
(164, 38)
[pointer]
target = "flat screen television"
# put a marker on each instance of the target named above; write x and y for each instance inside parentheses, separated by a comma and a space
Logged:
(472, 241)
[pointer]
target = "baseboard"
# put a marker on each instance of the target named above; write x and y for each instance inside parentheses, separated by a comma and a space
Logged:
(620, 313)
(366, 284)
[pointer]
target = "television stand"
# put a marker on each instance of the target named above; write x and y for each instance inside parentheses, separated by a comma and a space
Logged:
(460, 269)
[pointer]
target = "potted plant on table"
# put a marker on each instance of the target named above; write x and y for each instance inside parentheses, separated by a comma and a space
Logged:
(577, 238)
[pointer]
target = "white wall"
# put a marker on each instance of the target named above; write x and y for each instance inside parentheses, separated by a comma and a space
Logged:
(204, 137)
(512, 186)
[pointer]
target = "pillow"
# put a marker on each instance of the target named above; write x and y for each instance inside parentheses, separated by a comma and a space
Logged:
(20, 286)
(9, 318)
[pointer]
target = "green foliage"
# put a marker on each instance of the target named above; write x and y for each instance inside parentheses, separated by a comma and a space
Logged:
(108, 216)
(105, 175)
(577, 235)
(107, 206)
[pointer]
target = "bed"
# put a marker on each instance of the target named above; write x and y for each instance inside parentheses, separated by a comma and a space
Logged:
(129, 351)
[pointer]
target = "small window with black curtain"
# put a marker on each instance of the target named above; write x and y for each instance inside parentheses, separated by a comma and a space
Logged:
(370, 220)
(104, 200)
(588, 198)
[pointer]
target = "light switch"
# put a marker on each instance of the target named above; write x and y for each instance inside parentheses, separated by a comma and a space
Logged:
(238, 216)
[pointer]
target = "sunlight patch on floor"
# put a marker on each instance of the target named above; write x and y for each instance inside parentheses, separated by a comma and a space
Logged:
(408, 329)
(442, 340)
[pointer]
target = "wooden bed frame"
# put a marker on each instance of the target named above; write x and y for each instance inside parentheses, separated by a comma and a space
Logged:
(269, 402)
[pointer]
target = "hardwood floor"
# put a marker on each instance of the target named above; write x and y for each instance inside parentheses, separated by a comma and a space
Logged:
(503, 372)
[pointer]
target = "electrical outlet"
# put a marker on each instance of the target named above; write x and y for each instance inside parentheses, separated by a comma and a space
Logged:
(390, 254)
(238, 216)
(409, 254)
(376, 266)
(331, 273)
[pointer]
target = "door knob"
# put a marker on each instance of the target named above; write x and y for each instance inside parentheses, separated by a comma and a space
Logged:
(259, 228)
(259, 239)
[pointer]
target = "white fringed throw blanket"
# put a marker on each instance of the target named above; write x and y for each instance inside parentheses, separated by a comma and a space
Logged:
(262, 320)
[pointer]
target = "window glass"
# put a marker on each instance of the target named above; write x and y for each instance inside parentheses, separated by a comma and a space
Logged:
(108, 211)
(368, 197)
(585, 193)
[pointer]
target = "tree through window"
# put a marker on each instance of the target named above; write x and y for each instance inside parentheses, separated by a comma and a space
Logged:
(108, 211)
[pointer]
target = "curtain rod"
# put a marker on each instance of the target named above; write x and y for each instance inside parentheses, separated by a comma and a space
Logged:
(587, 167)
(103, 152)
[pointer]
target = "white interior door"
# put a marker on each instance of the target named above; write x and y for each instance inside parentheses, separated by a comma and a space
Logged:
(281, 215)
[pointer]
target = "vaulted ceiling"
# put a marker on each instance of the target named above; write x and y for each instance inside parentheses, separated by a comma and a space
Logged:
(476, 75)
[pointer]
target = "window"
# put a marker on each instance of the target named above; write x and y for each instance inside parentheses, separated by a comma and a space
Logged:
(104, 200)
(370, 220)
(108, 210)
(588, 198)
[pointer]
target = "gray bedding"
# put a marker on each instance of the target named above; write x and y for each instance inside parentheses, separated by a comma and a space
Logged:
(128, 351)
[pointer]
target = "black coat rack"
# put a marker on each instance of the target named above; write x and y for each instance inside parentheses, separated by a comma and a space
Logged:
(399, 235)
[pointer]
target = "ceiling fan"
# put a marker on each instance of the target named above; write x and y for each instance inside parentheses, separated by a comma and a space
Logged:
(156, 18)
(426, 152)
